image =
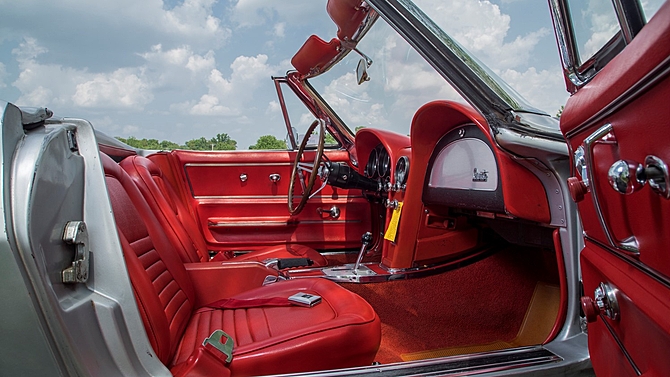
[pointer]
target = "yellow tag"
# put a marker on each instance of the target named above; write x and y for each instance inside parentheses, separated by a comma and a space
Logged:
(392, 230)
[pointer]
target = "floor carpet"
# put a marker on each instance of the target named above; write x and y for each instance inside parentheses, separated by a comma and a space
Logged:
(482, 303)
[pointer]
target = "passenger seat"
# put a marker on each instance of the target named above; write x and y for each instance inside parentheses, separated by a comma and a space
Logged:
(341, 331)
(182, 229)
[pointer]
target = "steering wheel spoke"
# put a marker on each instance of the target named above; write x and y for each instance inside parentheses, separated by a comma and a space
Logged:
(307, 172)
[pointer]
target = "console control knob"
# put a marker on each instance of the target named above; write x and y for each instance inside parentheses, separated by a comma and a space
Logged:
(366, 239)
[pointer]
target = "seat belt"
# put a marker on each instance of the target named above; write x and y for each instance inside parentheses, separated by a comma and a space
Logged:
(298, 299)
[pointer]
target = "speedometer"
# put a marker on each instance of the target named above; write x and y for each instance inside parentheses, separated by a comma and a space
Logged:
(371, 167)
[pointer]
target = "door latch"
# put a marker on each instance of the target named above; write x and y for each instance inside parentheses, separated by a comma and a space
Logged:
(75, 233)
(627, 177)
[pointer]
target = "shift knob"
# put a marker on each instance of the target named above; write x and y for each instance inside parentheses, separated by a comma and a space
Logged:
(366, 239)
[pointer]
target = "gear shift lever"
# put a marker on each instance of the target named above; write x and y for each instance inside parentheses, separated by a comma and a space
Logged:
(366, 239)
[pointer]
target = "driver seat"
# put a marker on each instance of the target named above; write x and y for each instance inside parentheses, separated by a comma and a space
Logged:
(182, 229)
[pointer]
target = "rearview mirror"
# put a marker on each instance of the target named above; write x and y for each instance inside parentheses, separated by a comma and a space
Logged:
(362, 71)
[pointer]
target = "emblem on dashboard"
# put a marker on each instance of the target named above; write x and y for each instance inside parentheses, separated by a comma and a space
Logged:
(480, 176)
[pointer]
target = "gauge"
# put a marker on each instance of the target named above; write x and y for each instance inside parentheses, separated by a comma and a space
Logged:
(371, 167)
(401, 171)
(384, 164)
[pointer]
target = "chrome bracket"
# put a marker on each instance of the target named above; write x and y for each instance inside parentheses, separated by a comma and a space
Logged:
(75, 233)
(605, 298)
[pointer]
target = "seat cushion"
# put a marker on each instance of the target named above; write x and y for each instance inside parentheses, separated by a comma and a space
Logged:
(342, 331)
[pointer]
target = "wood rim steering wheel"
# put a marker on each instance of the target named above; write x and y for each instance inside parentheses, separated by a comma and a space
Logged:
(312, 168)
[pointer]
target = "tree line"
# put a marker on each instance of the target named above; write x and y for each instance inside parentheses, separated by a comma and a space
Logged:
(221, 142)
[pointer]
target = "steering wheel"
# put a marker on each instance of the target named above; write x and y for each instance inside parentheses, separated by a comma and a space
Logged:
(301, 169)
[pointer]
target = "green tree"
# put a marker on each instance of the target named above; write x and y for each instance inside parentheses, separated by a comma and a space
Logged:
(221, 142)
(149, 143)
(358, 128)
(329, 140)
(268, 142)
(560, 112)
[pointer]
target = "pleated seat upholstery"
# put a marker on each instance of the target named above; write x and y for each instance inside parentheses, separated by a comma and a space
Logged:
(342, 331)
(183, 230)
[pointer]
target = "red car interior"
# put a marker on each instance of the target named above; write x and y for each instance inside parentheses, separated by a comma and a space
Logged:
(267, 339)
(173, 215)
(631, 95)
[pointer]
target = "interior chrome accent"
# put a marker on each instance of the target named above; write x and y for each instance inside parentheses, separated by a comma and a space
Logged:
(627, 177)
(274, 177)
(604, 133)
(604, 302)
(334, 211)
(366, 240)
(580, 165)
(656, 172)
(243, 177)
(75, 233)
(401, 173)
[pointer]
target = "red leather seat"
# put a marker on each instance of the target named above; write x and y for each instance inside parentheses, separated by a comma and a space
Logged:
(342, 331)
(182, 229)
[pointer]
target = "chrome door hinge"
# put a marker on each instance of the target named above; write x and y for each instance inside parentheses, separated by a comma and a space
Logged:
(75, 233)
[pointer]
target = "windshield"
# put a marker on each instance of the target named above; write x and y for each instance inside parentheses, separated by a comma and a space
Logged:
(401, 80)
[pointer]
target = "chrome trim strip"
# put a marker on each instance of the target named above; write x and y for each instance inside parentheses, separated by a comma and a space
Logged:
(240, 224)
(485, 362)
(631, 246)
(659, 277)
(279, 197)
(220, 164)
(621, 346)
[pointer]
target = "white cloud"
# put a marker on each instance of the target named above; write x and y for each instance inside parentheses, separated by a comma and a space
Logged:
(546, 87)
(255, 12)
(231, 96)
(122, 89)
(481, 28)
(280, 29)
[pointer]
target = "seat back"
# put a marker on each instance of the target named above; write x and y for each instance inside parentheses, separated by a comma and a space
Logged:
(171, 212)
(162, 288)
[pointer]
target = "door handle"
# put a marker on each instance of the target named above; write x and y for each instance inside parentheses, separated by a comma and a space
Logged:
(334, 212)
(626, 177)
(274, 177)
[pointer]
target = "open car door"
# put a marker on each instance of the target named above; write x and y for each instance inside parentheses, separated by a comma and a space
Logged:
(618, 128)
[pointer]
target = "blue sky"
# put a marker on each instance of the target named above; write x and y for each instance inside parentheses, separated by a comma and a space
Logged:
(180, 70)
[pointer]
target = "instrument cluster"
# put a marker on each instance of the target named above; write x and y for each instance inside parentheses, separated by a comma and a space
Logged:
(378, 168)
(379, 164)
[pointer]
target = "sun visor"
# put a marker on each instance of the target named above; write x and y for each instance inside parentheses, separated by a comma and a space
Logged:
(314, 54)
(347, 15)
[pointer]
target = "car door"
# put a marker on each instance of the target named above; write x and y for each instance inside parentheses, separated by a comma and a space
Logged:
(618, 128)
(240, 201)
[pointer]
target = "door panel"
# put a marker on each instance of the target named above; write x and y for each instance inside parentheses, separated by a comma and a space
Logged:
(239, 206)
(623, 114)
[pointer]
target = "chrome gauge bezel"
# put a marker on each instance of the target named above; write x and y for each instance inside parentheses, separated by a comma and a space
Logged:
(401, 171)
(371, 166)
(383, 163)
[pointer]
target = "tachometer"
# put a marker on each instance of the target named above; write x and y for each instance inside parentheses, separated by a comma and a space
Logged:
(384, 164)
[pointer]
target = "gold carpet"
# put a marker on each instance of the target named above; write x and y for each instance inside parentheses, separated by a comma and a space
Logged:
(536, 326)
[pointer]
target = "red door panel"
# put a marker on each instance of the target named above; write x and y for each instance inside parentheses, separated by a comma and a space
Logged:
(239, 206)
(623, 114)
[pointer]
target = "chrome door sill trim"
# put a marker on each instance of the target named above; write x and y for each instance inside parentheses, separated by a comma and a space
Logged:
(487, 362)
(283, 198)
(278, 223)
